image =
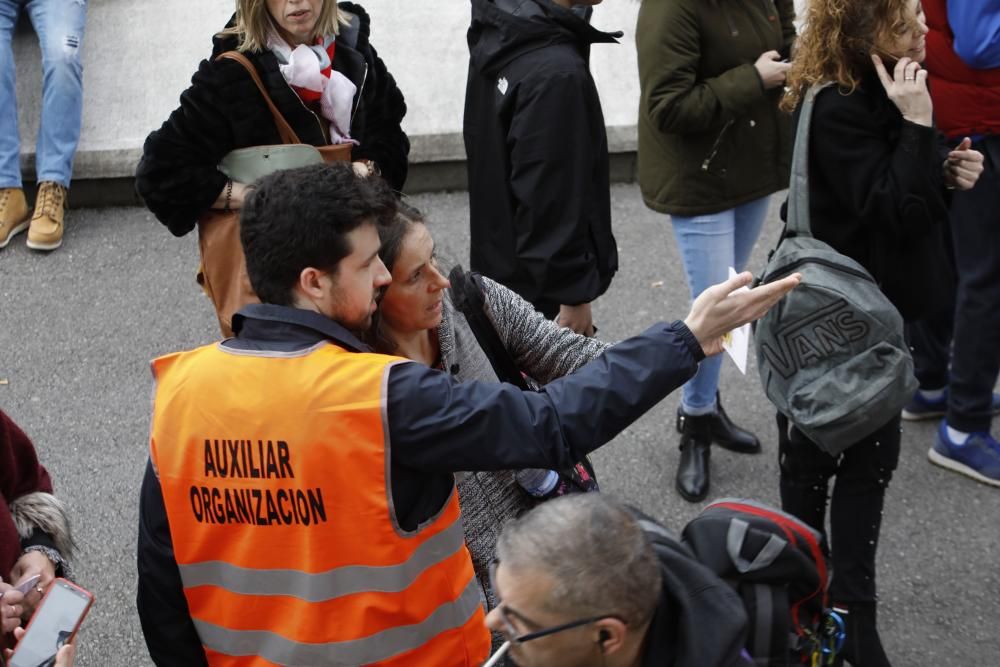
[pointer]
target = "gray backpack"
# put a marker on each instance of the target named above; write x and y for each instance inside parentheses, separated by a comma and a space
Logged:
(831, 354)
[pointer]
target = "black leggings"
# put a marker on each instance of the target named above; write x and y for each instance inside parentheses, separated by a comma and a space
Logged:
(863, 472)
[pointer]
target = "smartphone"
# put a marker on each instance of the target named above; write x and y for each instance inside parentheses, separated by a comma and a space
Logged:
(54, 624)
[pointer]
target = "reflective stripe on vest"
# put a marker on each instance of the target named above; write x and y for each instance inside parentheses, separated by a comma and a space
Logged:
(277, 496)
(366, 651)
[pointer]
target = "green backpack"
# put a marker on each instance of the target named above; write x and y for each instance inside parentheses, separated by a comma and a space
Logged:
(831, 354)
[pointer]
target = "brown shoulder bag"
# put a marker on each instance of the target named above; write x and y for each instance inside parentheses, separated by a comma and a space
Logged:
(223, 271)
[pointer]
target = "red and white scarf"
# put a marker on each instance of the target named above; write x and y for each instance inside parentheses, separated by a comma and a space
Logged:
(309, 71)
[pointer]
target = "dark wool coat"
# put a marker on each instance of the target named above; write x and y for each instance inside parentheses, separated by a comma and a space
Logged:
(539, 198)
(710, 137)
(876, 194)
(223, 110)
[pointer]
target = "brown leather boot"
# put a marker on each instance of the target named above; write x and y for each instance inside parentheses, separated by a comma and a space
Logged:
(13, 214)
(46, 231)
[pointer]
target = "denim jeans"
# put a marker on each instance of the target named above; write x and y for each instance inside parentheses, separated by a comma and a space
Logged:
(709, 245)
(59, 25)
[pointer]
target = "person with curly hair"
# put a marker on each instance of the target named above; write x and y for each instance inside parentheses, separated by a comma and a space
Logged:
(877, 193)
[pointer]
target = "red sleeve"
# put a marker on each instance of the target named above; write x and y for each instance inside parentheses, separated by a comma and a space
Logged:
(20, 471)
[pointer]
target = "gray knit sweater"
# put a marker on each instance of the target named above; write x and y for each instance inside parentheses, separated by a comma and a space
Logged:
(541, 349)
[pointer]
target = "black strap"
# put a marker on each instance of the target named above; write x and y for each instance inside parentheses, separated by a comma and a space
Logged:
(763, 616)
(467, 295)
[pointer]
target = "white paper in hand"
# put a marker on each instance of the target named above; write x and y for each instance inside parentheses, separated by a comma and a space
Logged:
(737, 342)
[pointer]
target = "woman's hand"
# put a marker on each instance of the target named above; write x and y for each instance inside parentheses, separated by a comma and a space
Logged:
(963, 166)
(10, 607)
(579, 319)
(28, 565)
(771, 69)
(907, 88)
(366, 168)
(64, 657)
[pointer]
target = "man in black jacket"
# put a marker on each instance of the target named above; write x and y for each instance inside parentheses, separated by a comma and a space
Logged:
(580, 584)
(298, 220)
(540, 207)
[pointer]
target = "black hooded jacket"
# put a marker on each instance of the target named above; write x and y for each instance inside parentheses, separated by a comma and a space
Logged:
(700, 621)
(537, 154)
(223, 110)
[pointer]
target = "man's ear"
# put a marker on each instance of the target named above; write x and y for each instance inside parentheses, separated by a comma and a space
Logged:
(610, 635)
(310, 287)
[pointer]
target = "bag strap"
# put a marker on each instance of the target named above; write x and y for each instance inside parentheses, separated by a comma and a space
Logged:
(735, 538)
(763, 624)
(798, 195)
(467, 295)
(285, 130)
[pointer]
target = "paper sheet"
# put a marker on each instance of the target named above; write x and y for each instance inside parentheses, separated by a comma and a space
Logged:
(737, 342)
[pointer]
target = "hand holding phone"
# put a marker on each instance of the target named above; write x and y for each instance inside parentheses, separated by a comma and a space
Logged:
(64, 658)
(11, 607)
(28, 584)
(54, 625)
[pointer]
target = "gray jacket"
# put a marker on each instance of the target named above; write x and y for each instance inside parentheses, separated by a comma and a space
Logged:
(544, 351)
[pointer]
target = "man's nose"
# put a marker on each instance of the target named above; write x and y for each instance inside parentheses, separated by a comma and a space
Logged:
(493, 621)
(382, 275)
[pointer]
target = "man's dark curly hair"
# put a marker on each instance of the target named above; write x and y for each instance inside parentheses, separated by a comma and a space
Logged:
(300, 218)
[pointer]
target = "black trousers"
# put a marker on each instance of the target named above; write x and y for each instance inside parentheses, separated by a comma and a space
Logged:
(862, 474)
(968, 332)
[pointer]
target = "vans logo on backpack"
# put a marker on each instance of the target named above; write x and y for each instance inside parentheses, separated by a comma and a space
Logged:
(811, 339)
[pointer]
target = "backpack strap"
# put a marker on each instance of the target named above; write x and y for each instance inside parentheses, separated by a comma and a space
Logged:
(762, 628)
(765, 557)
(798, 187)
(285, 130)
(467, 296)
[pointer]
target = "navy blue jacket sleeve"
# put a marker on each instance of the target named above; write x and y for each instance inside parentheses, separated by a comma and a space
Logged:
(163, 611)
(439, 425)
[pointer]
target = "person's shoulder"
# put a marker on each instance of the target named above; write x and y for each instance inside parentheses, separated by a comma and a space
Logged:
(558, 57)
(359, 26)
(855, 104)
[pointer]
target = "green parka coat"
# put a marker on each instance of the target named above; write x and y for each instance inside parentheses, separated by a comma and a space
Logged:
(710, 137)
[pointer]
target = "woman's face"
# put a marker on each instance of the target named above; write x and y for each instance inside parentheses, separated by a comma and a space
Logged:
(412, 302)
(908, 37)
(296, 19)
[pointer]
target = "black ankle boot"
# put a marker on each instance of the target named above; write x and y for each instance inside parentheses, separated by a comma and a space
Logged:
(863, 646)
(722, 431)
(692, 470)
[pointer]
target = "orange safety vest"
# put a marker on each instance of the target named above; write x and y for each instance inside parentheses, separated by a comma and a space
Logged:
(274, 469)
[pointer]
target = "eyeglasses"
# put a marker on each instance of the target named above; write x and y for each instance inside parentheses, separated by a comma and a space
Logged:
(513, 633)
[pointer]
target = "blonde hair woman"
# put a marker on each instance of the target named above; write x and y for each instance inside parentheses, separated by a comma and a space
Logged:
(322, 73)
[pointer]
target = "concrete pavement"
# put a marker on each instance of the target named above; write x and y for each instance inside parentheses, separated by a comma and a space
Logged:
(79, 326)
